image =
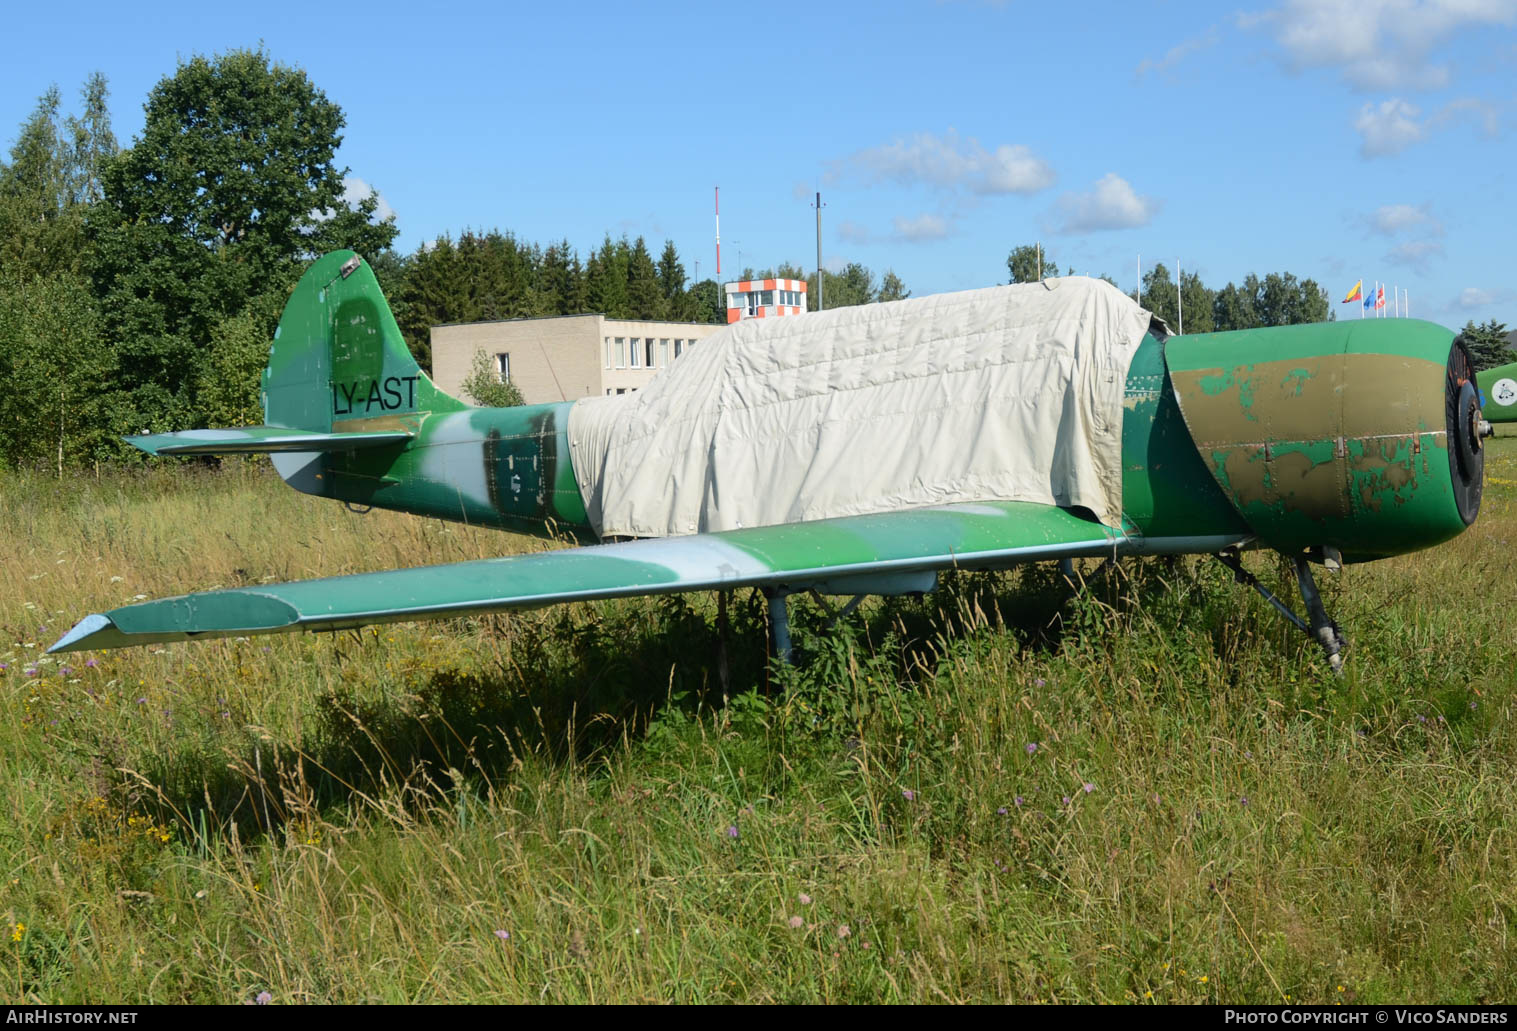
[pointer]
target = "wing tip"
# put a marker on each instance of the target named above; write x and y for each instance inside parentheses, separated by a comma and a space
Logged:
(78, 638)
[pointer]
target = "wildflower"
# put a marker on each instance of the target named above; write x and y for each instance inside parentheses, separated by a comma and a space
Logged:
(91, 663)
(1089, 788)
(1018, 801)
(805, 899)
(1340, 988)
(16, 934)
(1244, 800)
(1032, 746)
(1148, 995)
(732, 831)
(1203, 979)
(1001, 811)
(504, 936)
(1421, 718)
(843, 931)
(1039, 682)
(263, 998)
(1066, 799)
(797, 922)
(908, 794)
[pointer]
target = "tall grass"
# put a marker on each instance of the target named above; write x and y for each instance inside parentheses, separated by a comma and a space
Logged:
(1147, 790)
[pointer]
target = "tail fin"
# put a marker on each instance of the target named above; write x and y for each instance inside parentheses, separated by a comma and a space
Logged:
(339, 378)
(338, 362)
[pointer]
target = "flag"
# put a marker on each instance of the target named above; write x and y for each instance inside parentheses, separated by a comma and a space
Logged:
(1379, 297)
(1369, 300)
(1356, 293)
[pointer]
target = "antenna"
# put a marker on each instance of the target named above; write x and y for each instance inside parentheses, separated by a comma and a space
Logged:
(819, 206)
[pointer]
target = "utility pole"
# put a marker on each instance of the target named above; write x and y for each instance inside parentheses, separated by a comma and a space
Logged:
(819, 304)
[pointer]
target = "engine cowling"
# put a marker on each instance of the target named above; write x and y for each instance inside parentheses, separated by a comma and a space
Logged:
(1361, 436)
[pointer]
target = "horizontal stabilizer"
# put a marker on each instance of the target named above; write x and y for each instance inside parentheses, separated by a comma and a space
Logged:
(260, 440)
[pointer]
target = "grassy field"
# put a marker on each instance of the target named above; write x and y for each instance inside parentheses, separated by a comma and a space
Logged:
(1148, 791)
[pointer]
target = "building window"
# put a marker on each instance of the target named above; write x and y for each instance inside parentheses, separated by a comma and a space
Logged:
(608, 352)
(679, 347)
(663, 352)
(503, 368)
(637, 352)
(621, 352)
(621, 390)
(649, 343)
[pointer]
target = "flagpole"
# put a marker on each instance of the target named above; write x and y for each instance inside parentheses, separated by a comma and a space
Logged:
(1179, 299)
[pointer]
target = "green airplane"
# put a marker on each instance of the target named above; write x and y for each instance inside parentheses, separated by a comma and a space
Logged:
(1329, 443)
(1498, 393)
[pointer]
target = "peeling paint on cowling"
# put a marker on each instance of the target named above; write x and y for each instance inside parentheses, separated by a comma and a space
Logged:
(1318, 442)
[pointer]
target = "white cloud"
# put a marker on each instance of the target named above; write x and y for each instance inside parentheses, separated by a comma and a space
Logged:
(852, 232)
(355, 190)
(1472, 297)
(921, 228)
(1390, 219)
(1112, 204)
(1415, 253)
(1377, 44)
(1395, 124)
(1389, 128)
(1177, 53)
(947, 162)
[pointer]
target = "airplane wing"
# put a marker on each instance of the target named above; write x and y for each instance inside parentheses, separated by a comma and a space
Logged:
(884, 553)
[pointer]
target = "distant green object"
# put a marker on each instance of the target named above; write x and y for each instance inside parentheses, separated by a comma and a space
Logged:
(1498, 393)
(1331, 442)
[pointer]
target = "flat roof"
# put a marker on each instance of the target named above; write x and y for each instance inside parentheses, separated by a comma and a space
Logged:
(581, 315)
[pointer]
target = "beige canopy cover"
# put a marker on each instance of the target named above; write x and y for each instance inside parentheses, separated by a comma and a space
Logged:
(1006, 393)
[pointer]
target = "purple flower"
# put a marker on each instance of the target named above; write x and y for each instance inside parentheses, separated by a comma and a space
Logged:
(1032, 746)
(1421, 718)
(732, 831)
(805, 899)
(1017, 801)
(908, 794)
(504, 936)
(66, 671)
(1001, 811)
(263, 998)
(142, 701)
(843, 931)
(1244, 800)
(1039, 682)
(797, 922)
(1067, 800)
(1089, 787)
(91, 663)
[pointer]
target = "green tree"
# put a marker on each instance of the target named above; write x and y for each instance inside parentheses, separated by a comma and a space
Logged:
(671, 273)
(854, 285)
(1160, 295)
(1023, 263)
(51, 179)
(1488, 344)
(891, 287)
(484, 385)
(58, 407)
(645, 295)
(231, 186)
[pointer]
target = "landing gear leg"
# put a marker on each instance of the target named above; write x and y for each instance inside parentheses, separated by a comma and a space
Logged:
(1326, 632)
(1321, 629)
(779, 624)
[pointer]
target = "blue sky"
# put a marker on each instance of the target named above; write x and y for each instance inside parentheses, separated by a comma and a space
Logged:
(1329, 138)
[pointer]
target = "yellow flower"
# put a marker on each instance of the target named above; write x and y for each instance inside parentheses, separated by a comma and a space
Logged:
(18, 932)
(1340, 988)
(1204, 979)
(1148, 994)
